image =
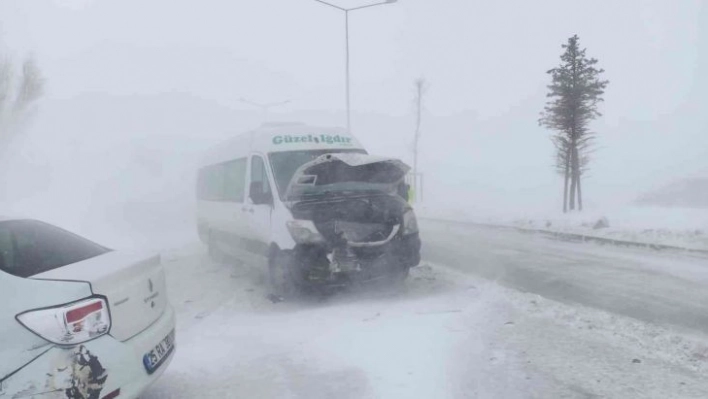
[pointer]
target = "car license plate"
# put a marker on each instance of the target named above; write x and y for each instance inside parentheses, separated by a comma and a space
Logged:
(154, 359)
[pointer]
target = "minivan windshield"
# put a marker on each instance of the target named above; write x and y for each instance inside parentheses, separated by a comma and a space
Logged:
(284, 164)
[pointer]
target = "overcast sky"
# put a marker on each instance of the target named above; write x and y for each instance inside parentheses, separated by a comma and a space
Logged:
(485, 62)
(485, 56)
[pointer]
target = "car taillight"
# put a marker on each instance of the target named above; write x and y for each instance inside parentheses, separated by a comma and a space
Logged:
(69, 324)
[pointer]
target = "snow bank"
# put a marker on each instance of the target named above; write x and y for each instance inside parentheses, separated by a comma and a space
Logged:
(680, 227)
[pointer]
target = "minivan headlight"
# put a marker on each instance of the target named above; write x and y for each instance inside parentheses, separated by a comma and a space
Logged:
(410, 223)
(304, 232)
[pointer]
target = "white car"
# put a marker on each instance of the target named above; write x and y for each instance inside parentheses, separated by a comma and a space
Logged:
(78, 320)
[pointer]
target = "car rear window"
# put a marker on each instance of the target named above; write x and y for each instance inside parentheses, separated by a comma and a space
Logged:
(29, 247)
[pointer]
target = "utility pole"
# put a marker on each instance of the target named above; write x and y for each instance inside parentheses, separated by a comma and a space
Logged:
(347, 75)
(419, 92)
(265, 107)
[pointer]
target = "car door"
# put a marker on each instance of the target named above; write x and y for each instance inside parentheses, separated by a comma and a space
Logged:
(260, 208)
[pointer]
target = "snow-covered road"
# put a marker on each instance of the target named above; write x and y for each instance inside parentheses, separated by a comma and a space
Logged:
(448, 333)
(653, 286)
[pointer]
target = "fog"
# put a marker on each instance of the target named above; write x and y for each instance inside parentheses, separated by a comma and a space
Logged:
(137, 91)
(160, 81)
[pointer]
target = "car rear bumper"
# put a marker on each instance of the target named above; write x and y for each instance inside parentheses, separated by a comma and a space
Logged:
(95, 369)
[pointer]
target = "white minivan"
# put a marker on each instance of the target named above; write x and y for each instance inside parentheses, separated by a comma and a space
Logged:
(78, 320)
(310, 205)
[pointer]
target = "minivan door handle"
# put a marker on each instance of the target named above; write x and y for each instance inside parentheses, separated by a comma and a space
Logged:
(246, 209)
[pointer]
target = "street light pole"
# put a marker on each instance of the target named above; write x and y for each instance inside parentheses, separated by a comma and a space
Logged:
(264, 107)
(346, 38)
(348, 76)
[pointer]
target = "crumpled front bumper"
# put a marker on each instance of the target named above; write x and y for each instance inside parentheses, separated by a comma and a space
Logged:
(359, 265)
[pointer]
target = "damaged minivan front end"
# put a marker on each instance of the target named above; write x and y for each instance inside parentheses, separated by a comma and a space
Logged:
(351, 220)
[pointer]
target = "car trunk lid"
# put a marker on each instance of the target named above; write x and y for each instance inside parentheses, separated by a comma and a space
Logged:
(133, 283)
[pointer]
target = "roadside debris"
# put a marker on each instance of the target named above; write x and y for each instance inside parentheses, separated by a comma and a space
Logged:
(374, 317)
(602, 223)
(275, 298)
(440, 312)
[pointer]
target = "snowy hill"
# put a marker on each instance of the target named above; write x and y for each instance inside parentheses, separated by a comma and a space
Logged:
(687, 193)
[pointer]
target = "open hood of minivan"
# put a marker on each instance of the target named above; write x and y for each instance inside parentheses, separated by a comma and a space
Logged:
(346, 172)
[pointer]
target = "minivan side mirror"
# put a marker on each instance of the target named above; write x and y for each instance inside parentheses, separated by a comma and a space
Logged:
(258, 196)
(404, 190)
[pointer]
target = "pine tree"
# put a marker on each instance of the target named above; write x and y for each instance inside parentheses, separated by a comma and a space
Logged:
(574, 93)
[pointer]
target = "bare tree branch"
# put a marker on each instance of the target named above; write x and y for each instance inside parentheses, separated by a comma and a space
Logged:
(31, 86)
(18, 100)
(5, 88)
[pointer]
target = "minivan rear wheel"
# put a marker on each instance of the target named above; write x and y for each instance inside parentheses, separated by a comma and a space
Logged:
(215, 254)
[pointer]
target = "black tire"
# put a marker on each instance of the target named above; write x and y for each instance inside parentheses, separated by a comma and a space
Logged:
(402, 275)
(215, 254)
(399, 276)
(203, 233)
(282, 275)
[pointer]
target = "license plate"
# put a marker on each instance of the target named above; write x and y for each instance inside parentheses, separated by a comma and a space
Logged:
(154, 359)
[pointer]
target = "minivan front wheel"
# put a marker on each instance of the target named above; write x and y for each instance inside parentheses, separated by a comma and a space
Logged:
(281, 274)
(401, 274)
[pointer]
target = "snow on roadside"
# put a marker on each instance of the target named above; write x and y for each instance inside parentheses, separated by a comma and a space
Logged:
(446, 335)
(680, 227)
(370, 343)
(598, 354)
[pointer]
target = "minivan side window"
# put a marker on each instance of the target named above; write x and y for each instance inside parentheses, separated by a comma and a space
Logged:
(29, 247)
(259, 174)
(235, 180)
(210, 186)
(223, 182)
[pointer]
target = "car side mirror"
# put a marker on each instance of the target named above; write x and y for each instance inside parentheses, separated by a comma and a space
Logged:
(258, 196)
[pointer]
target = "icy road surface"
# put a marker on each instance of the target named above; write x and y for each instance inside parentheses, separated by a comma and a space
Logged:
(654, 286)
(447, 334)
